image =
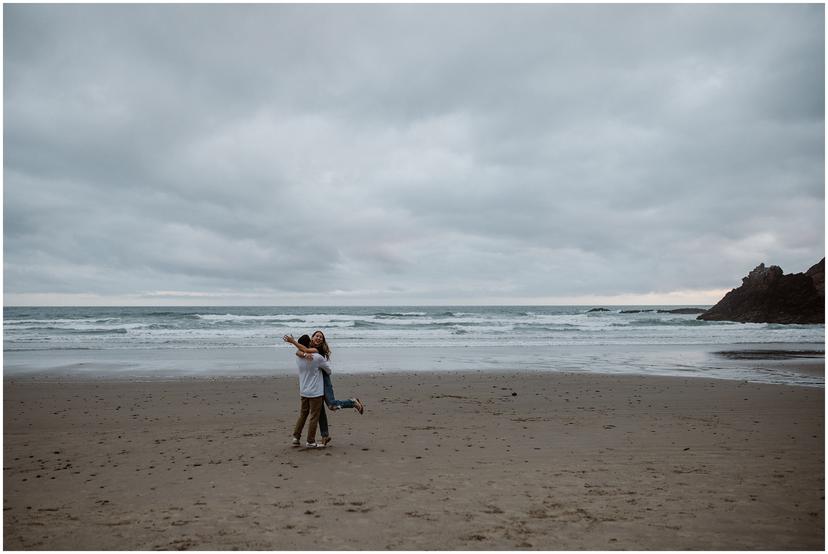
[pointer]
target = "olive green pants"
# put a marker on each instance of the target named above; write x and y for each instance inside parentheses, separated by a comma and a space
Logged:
(308, 406)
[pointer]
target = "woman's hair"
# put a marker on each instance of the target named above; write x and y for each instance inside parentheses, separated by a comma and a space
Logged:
(304, 340)
(324, 349)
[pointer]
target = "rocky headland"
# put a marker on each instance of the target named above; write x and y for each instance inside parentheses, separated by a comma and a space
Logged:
(767, 295)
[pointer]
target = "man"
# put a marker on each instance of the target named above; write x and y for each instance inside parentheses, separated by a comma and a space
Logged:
(311, 392)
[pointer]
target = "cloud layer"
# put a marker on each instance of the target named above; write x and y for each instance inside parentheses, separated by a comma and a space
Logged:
(408, 154)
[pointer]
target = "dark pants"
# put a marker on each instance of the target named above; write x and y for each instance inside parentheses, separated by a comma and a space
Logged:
(323, 422)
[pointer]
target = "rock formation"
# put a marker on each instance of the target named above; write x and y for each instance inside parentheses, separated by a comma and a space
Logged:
(767, 295)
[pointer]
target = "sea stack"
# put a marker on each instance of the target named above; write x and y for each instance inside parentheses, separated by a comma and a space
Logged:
(767, 295)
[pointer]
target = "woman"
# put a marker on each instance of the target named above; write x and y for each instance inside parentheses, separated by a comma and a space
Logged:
(318, 345)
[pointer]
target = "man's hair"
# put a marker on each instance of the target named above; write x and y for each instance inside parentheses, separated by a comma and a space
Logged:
(304, 340)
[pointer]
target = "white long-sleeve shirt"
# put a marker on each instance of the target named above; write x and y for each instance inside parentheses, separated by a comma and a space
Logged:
(311, 384)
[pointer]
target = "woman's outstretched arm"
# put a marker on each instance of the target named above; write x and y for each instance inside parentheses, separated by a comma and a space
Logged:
(303, 349)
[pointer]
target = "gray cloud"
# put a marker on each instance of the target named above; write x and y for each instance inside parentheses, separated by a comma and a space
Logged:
(408, 153)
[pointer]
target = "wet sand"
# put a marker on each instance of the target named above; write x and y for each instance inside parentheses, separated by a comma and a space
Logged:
(447, 461)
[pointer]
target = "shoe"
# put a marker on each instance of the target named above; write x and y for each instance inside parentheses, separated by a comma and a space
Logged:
(326, 440)
(360, 407)
(314, 445)
(295, 441)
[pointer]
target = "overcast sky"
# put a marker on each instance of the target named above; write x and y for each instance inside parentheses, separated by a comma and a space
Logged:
(408, 154)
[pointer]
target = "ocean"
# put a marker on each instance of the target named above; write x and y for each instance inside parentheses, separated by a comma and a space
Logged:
(239, 341)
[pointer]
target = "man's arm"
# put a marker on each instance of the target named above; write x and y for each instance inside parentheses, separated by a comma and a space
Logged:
(324, 366)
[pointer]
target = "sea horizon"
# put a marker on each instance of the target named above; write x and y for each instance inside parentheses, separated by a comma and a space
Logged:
(565, 305)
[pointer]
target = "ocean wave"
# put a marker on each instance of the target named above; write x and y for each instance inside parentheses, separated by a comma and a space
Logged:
(61, 348)
(35, 328)
(361, 323)
(672, 322)
(790, 326)
(558, 328)
(118, 331)
(159, 327)
(74, 330)
(316, 320)
(366, 324)
(62, 321)
(414, 326)
(243, 318)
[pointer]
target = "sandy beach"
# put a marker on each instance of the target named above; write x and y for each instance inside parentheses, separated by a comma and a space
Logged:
(468, 461)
